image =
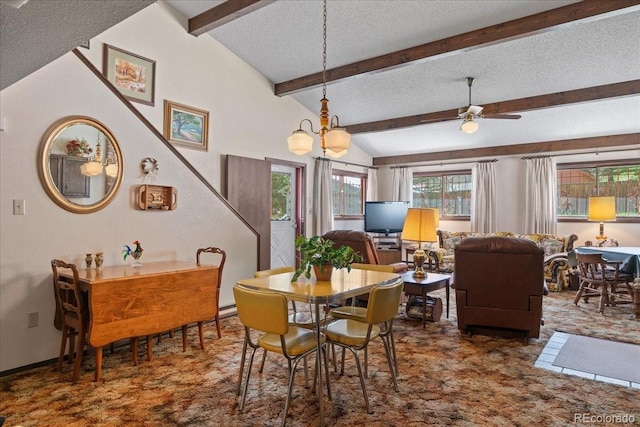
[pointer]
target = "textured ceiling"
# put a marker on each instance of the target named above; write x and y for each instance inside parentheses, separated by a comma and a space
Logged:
(43, 30)
(283, 41)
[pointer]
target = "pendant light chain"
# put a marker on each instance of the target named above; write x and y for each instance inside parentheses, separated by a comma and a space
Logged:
(334, 140)
(324, 50)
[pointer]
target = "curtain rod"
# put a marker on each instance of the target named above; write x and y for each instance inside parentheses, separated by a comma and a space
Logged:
(443, 163)
(346, 163)
(576, 154)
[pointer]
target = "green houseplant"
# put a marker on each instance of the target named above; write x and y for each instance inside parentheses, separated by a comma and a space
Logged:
(319, 253)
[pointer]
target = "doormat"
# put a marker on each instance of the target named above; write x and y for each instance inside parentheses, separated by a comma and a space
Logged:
(606, 358)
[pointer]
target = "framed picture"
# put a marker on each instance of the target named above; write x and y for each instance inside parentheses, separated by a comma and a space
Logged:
(184, 125)
(133, 75)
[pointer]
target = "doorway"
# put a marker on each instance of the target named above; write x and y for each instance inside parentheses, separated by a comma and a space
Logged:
(287, 207)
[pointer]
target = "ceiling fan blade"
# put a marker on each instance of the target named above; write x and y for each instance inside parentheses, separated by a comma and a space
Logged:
(501, 116)
(446, 119)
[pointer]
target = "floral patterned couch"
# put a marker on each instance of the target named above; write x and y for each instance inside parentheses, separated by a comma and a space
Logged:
(555, 251)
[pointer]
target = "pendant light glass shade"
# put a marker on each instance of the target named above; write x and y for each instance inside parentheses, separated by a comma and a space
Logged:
(335, 155)
(300, 142)
(111, 170)
(337, 140)
(91, 168)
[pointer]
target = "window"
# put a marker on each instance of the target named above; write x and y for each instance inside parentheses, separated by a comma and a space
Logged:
(280, 196)
(349, 190)
(449, 192)
(577, 182)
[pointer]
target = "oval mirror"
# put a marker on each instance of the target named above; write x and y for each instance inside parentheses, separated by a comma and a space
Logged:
(80, 164)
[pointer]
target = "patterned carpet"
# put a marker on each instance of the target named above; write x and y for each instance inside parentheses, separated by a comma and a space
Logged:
(446, 378)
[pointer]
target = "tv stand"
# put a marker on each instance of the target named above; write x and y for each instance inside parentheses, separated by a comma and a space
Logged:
(389, 247)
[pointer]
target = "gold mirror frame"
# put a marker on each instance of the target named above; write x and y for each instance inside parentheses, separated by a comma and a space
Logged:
(44, 169)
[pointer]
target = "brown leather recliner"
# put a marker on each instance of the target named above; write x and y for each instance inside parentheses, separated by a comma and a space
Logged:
(499, 284)
(362, 243)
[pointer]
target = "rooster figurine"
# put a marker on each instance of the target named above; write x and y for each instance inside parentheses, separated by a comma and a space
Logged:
(136, 253)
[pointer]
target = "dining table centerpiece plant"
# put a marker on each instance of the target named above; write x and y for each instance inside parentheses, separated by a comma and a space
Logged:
(318, 253)
(135, 253)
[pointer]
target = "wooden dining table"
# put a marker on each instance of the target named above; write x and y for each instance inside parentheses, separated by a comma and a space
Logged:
(128, 302)
(343, 285)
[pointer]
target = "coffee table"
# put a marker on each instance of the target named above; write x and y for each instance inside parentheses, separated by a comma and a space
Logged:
(432, 282)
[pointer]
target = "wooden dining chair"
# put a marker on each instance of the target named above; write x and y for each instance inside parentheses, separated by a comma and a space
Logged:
(223, 258)
(355, 335)
(603, 279)
(267, 314)
(74, 318)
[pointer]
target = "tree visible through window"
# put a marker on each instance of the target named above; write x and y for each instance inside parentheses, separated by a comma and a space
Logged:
(348, 194)
(576, 183)
(280, 196)
(450, 193)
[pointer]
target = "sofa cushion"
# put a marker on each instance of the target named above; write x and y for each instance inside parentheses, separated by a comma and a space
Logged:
(552, 246)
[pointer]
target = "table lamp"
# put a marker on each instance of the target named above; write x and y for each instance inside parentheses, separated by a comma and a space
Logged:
(602, 209)
(420, 226)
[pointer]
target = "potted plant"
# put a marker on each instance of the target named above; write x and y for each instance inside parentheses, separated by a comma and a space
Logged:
(320, 254)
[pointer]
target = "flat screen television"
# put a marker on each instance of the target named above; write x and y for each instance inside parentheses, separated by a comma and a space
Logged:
(384, 217)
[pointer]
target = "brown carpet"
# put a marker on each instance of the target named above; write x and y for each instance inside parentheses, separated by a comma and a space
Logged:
(601, 357)
(446, 378)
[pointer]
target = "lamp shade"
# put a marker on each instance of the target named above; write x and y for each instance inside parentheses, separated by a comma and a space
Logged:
(337, 140)
(300, 142)
(420, 225)
(436, 212)
(469, 126)
(602, 208)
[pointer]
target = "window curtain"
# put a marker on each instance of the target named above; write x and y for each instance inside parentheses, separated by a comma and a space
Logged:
(402, 184)
(372, 185)
(322, 197)
(540, 193)
(483, 198)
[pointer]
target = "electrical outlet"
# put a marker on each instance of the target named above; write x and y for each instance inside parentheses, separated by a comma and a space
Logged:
(18, 207)
(32, 319)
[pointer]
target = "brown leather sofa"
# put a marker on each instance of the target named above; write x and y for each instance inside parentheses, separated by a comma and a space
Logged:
(361, 242)
(499, 284)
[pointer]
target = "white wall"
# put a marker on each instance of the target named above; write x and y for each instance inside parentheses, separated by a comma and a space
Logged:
(246, 119)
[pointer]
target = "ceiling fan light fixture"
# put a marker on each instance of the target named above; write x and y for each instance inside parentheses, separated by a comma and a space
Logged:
(469, 126)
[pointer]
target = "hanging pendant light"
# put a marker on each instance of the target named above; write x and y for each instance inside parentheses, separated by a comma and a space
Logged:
(333, 138)
(94, 166)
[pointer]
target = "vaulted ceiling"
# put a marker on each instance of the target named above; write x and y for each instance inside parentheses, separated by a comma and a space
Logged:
(395, 68)
(570, 69)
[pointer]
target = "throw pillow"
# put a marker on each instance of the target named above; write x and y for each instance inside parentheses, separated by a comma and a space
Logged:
(450, 244)
(551, 246)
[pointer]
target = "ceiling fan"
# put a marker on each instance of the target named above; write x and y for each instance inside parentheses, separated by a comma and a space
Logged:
(467, 114)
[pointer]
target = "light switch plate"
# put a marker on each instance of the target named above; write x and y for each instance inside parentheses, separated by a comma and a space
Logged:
(18, 207)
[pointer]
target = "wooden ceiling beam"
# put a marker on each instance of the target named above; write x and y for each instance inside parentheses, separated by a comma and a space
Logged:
(223, 14)
(614, 90)
(598, 142)
(545, 21)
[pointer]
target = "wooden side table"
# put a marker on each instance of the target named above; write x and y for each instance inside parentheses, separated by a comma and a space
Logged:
(431, 283)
